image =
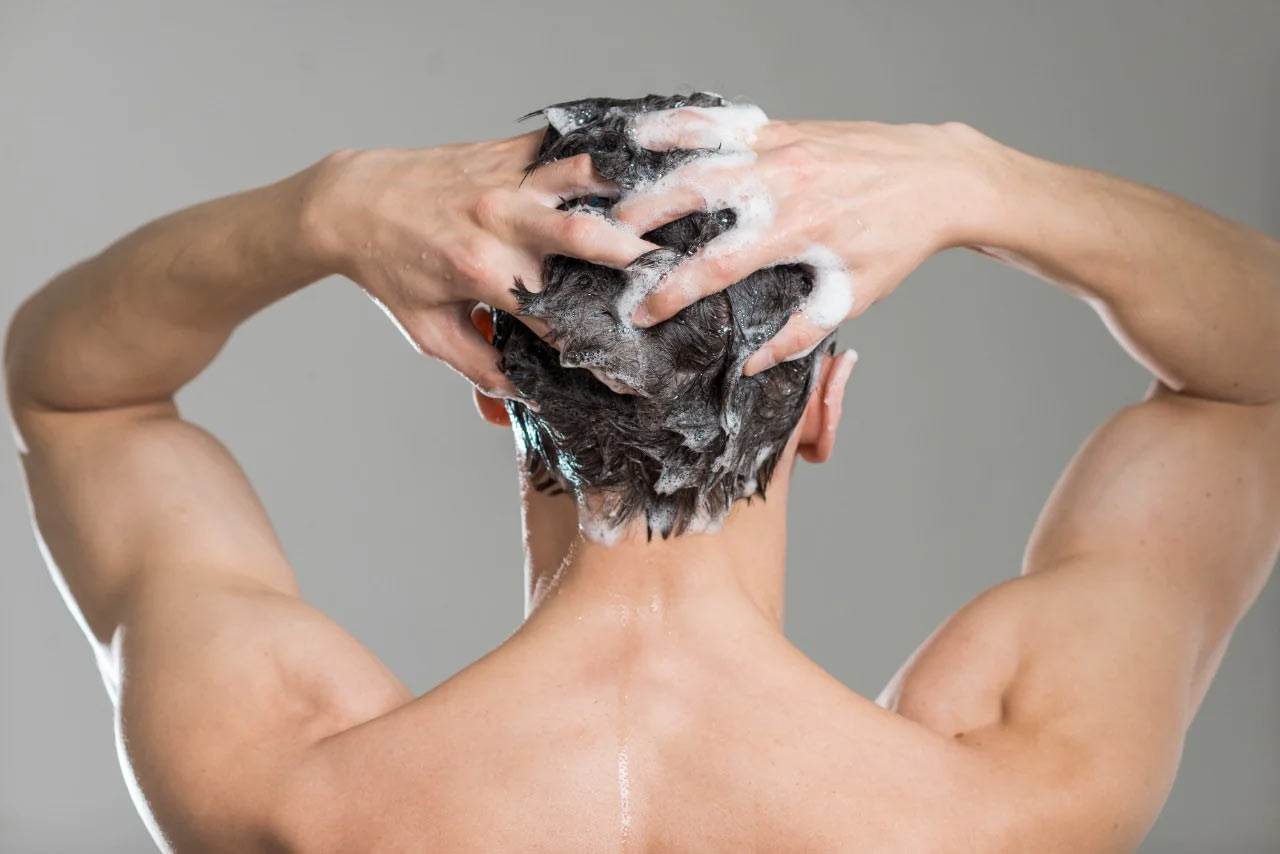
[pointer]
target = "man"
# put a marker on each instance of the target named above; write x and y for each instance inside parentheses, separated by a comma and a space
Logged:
(650, 701)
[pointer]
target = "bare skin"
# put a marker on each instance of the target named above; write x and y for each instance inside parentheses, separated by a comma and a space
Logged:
(650, 701)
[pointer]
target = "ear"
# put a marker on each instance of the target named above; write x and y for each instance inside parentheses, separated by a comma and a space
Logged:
(491, 409)
(822, 414)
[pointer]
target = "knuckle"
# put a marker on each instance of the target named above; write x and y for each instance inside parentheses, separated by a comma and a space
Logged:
(721, 269)
(578, 230)
(471, 259)
(489, 207)
(962, 131)
(582, 163)
(485, 378)
(811, 335)
(579, 169)
(423, 338)
(787, 340)
(799, 156)
(342, 158)
(665, 303)
(493, 380)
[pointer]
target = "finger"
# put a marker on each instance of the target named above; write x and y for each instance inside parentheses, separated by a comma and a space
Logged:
(537, 326)
(570, 178)
(710, 183)
(724, 261)
(644, 211)
(794, 341)
(515, 270)
(579, 234)
(453, 339)
(482, 320)
(500, 291)
(730, 128)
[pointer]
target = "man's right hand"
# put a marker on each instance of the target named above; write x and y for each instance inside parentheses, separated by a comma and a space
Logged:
(429, 233)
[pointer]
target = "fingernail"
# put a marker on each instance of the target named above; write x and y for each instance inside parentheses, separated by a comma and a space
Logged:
(640, 317)
(847, 361)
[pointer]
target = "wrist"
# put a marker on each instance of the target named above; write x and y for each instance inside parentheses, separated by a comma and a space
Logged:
(319, 230)
(987, 189)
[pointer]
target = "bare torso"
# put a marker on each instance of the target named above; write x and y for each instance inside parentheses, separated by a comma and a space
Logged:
(629, 730)
(1047, 715)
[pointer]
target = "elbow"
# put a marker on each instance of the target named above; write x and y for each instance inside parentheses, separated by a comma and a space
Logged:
(1258, 386)
(16, 361)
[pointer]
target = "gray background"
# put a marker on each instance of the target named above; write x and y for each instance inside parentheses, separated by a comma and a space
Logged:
(397, 504)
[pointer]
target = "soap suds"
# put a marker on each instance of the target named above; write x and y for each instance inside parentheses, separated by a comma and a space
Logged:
(659, 423)
(642, 277)
(747, 197)
(725, 129)
(594, 519)
(832, 296)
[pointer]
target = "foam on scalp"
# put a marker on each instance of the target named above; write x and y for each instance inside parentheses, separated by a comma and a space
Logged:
(696, 435)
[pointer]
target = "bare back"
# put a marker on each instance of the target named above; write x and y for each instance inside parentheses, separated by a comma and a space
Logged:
(1049, 712)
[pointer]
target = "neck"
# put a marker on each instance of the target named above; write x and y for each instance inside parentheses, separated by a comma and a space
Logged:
(737, 570)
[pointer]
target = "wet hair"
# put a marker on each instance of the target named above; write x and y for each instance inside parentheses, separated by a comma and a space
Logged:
(695, 435)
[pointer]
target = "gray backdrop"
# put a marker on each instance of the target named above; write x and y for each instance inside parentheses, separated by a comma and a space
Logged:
(976, 384)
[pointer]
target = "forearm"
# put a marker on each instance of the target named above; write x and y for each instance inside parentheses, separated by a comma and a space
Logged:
(134, 323)
(1193, 296)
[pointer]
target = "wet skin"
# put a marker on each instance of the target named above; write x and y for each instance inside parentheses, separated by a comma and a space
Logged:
(650, 701)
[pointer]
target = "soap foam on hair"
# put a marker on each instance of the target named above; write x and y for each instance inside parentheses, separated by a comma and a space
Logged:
(561, 119)
(699, 453)
(748, 198)
(831, 299)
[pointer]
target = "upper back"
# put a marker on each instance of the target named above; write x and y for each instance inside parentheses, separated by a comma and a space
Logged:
(666, 748)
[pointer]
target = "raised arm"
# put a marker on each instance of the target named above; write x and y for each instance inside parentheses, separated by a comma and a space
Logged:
(1195, 297)
(1192, 296)
(219, 673)
(1073, 685)
(1077, 681)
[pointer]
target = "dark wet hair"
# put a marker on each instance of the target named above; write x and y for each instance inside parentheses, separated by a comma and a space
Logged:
(697, 435)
